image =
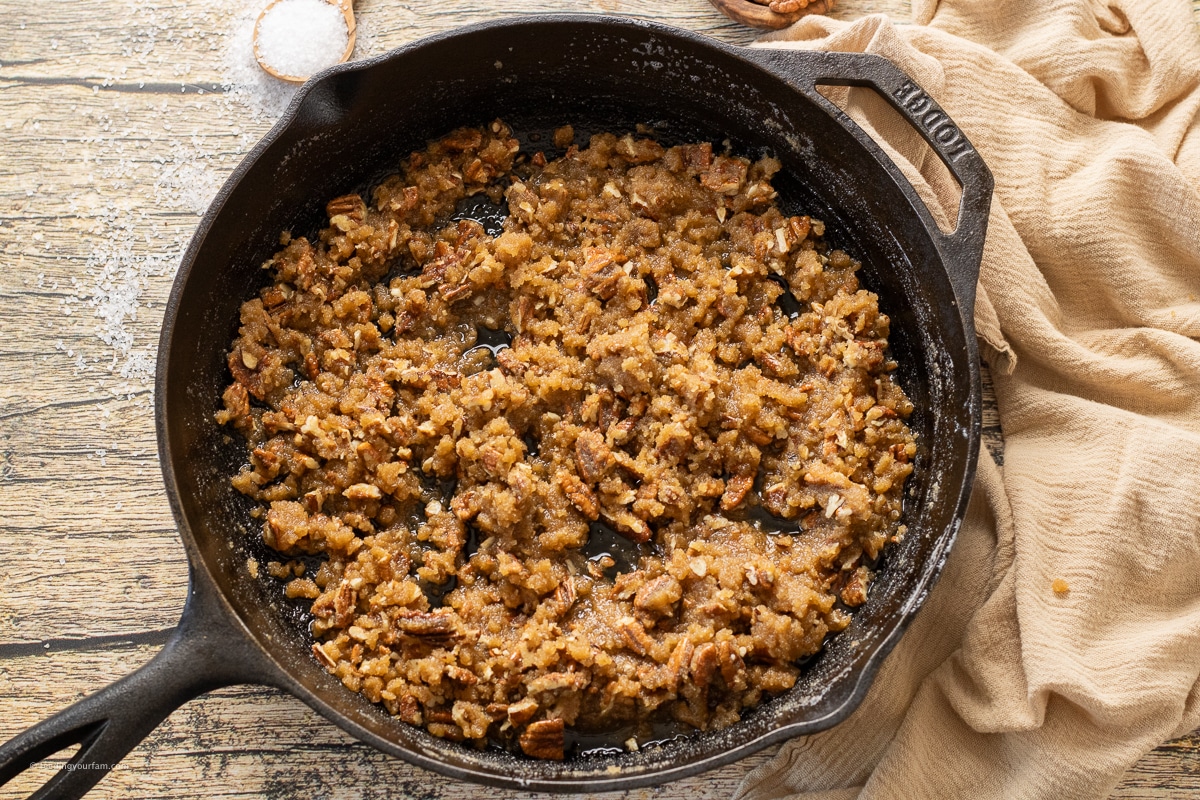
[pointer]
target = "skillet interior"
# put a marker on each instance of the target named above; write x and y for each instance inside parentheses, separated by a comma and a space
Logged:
(353, 125)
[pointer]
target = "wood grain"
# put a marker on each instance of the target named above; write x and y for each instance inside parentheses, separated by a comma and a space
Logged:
(115, 129)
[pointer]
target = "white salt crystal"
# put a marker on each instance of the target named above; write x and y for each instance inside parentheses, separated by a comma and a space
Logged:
(300, 37)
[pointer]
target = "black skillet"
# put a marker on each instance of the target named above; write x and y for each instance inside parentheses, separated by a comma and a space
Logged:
(600, 73)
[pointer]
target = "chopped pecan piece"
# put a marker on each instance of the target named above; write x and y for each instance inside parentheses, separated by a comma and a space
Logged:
(461, 675)
(409, 709)
(237, 401)
(510, 363)
(733, 669)
(592, 456)
(462, 140)
(736, 490)
(854, 593)
(445, 380)
(557, 681)
(478, 172)
(659, 596)
(631, 527)
(601, 273)
(345, 603)
(543, 739)
(758, 435)
(522, 312)
(454, 293)
(705, 663)
(442, 715)
(725, 176)
(580, 495)
(314, 500)
(800, 227)
(435, 270)
(564, 597)
(635, 635)
(522, 711)
(362, 491)
(697, 158)
(348, 205)
(274, 296)
(323, 657)
(406, 200)
(680, 662)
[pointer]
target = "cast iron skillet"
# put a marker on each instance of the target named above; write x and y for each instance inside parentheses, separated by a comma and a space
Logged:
(348, 127)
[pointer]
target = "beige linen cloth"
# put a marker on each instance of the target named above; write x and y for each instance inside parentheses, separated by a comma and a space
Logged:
(1086, 112)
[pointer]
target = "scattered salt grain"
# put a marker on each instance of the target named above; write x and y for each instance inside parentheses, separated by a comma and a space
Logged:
(300, 37)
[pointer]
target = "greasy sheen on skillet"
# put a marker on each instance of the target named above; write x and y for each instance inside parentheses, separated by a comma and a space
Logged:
(627, 458)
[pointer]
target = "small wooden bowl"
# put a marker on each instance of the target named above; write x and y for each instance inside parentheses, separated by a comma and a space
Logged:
(757, 15)
(347, 9)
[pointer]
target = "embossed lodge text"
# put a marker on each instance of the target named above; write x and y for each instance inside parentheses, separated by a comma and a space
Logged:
(953, 144)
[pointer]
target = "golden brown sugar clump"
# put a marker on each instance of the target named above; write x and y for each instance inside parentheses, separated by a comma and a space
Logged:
(653, 386)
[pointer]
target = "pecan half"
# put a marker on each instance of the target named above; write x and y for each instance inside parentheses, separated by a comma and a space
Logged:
(543, 739)
(348, 205)
(432, 627)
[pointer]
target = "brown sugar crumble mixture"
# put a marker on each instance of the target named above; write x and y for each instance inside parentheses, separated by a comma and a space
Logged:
(639, 376)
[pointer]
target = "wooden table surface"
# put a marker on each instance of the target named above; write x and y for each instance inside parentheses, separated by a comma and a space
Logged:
(119, 119)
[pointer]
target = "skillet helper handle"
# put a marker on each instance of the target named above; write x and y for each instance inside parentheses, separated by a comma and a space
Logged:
(204, 652)
(961, 250)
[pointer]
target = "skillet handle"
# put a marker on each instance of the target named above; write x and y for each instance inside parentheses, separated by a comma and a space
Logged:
(205, 652)
(961, 250)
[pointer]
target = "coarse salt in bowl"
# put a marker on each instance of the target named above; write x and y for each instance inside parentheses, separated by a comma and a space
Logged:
(299, 37)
